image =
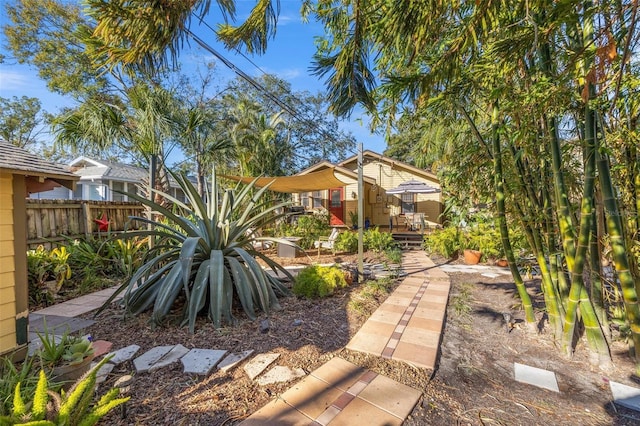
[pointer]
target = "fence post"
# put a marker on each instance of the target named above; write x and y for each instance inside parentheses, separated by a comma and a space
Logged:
(86, 214)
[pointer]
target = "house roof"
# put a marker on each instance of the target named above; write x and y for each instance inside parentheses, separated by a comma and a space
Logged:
(393, 162)
(16, 160)
(89, 168)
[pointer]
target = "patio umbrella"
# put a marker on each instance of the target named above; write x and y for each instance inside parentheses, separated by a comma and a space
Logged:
(413, 187)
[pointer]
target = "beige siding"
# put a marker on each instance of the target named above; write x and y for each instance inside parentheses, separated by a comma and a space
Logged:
(7, 266)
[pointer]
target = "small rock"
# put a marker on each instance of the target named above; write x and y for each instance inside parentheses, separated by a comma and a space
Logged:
(265, 325)
(297, 322)
(124, 354)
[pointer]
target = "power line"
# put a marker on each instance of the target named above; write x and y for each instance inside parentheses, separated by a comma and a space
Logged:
(288, 108)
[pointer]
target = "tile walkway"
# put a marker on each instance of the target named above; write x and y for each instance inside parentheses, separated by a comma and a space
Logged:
(408, 325)
(339, 393)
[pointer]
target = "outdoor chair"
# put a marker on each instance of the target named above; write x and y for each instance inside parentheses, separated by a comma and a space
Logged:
(327, 242)
(258, 244)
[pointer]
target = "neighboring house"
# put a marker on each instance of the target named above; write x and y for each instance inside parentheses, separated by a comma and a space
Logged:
(21, 174)
(104, 181)
(381, 174)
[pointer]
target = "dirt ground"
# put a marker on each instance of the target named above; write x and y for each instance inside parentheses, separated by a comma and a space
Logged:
(472, 385)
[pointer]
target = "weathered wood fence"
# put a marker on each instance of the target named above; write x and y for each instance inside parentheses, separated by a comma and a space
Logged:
(52, 221)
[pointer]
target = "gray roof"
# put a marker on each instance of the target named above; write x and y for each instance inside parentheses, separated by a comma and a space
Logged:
(16, 159)
(118, 172)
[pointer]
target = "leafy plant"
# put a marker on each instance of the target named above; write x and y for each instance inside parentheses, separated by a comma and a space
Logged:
(378, 241)
(353, 218)
(67, 408)
(126, 255)
(318, 281)
(204, 254)
(347, 242)
(445, 242)
(66, 349)
(45, 267)
(10, 376)
(394, 255)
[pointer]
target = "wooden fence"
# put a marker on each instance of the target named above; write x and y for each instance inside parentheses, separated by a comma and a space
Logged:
(52, 221)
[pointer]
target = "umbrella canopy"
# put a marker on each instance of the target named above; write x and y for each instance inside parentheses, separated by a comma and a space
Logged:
(413, 187)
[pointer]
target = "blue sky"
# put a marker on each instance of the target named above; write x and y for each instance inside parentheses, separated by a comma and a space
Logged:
(288, 56)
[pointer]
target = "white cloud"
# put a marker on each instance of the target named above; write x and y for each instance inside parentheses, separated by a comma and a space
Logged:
(12, 80)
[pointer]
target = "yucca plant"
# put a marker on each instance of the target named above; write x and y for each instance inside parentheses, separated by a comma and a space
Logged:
(205, 254)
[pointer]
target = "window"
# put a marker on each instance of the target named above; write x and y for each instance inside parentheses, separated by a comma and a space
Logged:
(408, 203)
(336, 198)
(115, 195)
(317, 199)
(304, 199)
(97, 192)
(77, 193)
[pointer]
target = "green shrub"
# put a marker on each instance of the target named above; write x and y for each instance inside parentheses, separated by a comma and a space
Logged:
(444, 242)
(12, 374)
(318, 281)
(47, 270)
(378, 241)
(347, 242)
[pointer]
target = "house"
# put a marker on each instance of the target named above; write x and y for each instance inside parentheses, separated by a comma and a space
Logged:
(21, 174)
(382, 208)
(105, 181)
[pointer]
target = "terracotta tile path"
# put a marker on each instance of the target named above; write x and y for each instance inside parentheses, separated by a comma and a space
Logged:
(406, 327)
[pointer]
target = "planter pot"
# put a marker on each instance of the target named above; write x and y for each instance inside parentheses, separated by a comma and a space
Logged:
(472, 257)
(502, 263)
(69, 373)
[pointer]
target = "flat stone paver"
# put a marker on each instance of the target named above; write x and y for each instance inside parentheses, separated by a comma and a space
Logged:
(123, 354)
(259, 363)
(57, 324)
(408, 325)
(536, 376)
(280, 374)
(174, 355)
(627, 396)
(234, 359)
(144, 362)
(201, 361)
(340, 393)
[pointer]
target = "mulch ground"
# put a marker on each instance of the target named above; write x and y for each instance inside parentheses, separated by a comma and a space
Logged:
(472, 385)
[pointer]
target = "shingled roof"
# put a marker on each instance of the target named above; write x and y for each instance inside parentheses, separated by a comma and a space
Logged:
(19, 161)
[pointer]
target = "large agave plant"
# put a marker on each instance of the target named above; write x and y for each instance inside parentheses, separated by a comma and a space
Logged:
(204, 252)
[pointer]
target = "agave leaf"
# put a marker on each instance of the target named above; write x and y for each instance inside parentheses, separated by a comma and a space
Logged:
(259, 281)
(186, 260)
(169, 288)
(227, 290)
(242, 285)
(216, 278)
(198, 294)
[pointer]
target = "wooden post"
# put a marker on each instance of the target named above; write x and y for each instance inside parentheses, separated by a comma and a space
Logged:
(86, 214)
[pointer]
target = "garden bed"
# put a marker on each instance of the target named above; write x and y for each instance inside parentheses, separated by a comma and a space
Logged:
(472, 385)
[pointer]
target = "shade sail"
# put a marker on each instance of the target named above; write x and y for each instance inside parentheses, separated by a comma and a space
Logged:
(314, 181)
(413, 187)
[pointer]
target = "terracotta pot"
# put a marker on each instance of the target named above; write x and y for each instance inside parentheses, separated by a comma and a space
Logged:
(69, 373)
(502, 263)
(472, 257)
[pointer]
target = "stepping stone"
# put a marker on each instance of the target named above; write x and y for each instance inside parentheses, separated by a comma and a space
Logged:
(490, 275)
(260, 363)
(146, 360)
(279, 374)
(103, 372)
(234, 359)
(124, 354)
(627, 396)
(201, 361)
(536, 376)
(101, 347)
(174, 355)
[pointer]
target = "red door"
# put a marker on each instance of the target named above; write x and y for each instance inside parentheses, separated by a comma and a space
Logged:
(336, 206)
